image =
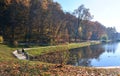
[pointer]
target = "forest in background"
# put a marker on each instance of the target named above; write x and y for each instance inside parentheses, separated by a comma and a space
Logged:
(44, 22)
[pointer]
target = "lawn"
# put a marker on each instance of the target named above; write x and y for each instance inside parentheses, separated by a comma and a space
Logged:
(42, 50)
(6, 52)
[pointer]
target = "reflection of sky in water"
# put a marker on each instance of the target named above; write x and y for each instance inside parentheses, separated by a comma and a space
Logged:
(111, 56)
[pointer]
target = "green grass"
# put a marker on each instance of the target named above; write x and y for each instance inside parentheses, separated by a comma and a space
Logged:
(6, 52)
(42, 50)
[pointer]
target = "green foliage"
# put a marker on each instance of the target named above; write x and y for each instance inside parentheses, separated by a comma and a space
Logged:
(104, 37)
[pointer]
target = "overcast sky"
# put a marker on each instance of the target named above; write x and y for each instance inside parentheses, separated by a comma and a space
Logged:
(107, 12)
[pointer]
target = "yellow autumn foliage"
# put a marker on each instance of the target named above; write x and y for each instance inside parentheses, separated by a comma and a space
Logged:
(1, 39)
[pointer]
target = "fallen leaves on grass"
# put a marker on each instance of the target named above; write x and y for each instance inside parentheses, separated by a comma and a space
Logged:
(26, 69)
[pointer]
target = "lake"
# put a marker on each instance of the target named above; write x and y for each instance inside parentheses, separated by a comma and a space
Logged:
(102, 55)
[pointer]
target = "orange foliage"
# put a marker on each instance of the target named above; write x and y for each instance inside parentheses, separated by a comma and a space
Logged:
(24, 2)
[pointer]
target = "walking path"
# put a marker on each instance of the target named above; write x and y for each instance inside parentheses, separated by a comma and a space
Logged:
(19, 55)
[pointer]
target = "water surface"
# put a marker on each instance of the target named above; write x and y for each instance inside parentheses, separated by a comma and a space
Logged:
(102, 55)
(97, 55)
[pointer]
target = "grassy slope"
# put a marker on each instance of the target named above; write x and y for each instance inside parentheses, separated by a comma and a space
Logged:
(6, 52)
(41, 50)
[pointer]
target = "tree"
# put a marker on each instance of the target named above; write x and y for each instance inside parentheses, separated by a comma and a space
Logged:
(81, 13)
(104, 37)
(13, 17)
(111, 32)
(44, 22)
(3, 17)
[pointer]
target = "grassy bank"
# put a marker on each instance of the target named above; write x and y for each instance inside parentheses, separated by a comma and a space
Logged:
(6, 52)
(42, 50)
(11, 66)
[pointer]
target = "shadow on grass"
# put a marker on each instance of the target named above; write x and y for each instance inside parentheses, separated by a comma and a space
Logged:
(26, 45)
(19, 46)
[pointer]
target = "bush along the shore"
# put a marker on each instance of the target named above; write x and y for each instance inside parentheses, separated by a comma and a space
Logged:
(1, 39)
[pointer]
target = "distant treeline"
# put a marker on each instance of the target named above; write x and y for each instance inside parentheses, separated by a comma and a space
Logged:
(44, 22)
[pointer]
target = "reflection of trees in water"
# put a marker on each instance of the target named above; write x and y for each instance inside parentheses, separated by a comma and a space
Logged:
(111, 47)
(79, 56)
(59, 57)
(83, 55)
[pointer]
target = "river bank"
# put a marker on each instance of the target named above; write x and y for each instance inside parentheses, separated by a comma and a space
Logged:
(10, 66)
(42, 50)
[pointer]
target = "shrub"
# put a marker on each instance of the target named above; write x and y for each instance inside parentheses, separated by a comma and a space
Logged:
(1, 39)
(15, 43)
(104, 37)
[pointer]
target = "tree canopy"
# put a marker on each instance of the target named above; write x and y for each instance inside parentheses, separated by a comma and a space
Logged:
(44, 22)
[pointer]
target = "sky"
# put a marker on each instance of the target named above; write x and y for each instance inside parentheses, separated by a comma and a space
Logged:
(107, 12)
